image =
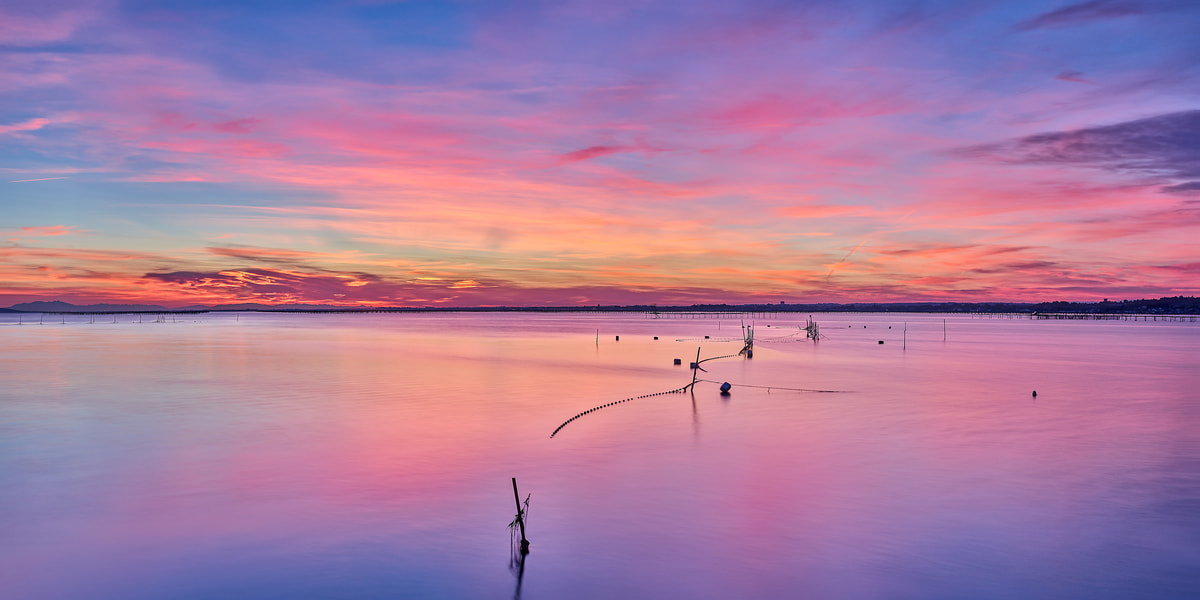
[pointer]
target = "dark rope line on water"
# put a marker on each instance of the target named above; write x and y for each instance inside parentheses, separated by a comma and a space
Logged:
(684, 389)
(592, 410)
(775, 387)
(716, 357)
(674, 391)
(784, 338)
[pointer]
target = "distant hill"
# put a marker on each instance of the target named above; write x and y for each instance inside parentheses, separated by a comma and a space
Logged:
(60, 306)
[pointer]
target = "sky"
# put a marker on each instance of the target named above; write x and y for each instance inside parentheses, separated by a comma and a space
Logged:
(372, 153)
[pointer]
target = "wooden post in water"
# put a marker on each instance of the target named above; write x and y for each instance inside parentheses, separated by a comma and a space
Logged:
(695, 369)
(520, 518)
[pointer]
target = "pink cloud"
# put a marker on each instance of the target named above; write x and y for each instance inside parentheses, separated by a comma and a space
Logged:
(49, 230)
(18, 29)
(756, 149)
(824, 211)
(1073, 76)
(30, 125)
(592, 152)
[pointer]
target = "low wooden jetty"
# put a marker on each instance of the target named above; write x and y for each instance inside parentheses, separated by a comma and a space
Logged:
(1117, 317)
(1087, 316)
(704, 314)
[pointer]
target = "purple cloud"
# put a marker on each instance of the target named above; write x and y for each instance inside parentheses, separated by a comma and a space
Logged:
(1083, 12)
(1162, 148)
(591, 152)
(1189, 187)
(1073, 76)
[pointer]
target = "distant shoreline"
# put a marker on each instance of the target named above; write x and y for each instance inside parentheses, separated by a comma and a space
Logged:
(1180, 305)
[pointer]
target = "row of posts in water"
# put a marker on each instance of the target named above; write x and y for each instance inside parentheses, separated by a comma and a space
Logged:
(989, 315)
(1092, 317)
(99, 317)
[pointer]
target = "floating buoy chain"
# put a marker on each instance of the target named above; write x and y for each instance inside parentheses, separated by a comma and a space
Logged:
(718, 357)
(592, 410)
(674, 391)
(776, 387)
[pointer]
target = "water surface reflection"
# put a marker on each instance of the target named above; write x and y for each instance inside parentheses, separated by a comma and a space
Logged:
(352, 456)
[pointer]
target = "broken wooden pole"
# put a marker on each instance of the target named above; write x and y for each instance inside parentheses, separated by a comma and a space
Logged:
(520, 518)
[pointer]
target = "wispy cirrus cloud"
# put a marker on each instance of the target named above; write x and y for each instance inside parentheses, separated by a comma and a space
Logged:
(592, 152)
(1086, 12)
(272, 255)
(29, 125)
(25, 30)
(1189, 187)
(33, 231)
(1074, 77)
(37, 179)
(1161, 148)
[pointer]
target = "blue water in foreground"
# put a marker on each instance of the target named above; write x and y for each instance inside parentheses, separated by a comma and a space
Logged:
(361, 456)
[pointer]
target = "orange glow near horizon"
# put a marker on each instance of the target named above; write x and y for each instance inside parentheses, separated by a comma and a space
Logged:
(747, 164)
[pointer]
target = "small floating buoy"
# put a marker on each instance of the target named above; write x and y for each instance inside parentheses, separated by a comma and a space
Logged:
(656, 337)
(678, 361)
(880, 341)
(1035, 393)
(706, 337)
(725, 387)
(693, 366)
(618, 338)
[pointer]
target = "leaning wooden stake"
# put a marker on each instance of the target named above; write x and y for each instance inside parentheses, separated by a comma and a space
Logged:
(520, 518)
(695, 370)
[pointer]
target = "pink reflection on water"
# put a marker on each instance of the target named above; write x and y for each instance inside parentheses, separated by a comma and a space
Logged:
(340, 456)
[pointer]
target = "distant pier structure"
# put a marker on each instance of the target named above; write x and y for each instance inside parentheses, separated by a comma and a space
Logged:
(1086, 316)
(707, 314)
(1117, 317)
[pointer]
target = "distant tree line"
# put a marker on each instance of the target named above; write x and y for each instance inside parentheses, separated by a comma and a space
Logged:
(1176, 305)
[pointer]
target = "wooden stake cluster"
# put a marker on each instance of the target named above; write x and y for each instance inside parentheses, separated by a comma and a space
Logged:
(812, 331)
(747, 340)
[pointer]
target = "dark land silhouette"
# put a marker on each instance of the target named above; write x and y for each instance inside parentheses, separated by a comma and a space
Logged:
(1177, 305)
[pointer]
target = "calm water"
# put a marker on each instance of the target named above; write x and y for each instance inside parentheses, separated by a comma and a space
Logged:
(361, 456)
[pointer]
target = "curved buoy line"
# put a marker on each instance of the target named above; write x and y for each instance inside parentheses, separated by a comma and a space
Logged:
(776, 387)
(717, 357)
(592, 410)
(784, 338)
(674, 391)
